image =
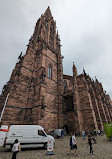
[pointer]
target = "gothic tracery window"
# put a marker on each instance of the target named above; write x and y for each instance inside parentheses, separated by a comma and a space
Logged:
(51, 34)
(65, 85)
(50, 71)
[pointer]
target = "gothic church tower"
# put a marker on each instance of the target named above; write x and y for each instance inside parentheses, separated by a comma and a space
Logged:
(35, 87)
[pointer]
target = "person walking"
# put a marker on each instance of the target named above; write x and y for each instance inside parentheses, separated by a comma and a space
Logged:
(15, 148)
(99, 132)
(74, 144)
(62, 133)
(83, 134)
(90, 144)
(70, 144)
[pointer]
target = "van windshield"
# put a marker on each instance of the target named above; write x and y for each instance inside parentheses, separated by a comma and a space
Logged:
(42, 133)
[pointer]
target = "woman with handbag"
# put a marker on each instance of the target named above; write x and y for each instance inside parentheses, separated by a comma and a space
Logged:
(15, 148)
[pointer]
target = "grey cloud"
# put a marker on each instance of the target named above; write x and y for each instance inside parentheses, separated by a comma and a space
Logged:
(85, 30)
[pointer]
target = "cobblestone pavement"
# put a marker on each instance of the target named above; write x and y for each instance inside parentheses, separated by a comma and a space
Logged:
(102, 150)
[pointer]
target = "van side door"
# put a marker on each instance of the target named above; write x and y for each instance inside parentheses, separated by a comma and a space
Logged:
(41, 137)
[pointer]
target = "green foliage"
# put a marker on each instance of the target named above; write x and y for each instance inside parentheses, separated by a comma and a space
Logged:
(108, 130)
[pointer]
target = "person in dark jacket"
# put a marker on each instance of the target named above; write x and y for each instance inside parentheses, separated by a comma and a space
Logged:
(70, 144)
(90, 144)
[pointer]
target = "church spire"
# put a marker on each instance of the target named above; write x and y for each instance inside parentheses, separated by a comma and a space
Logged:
(45, 30)
(48, 14)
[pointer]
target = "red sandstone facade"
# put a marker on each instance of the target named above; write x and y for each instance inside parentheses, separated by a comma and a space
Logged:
(39, 92)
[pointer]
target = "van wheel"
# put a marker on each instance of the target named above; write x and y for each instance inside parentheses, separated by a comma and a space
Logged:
(10, 150)
(57, 136)
(45, 146)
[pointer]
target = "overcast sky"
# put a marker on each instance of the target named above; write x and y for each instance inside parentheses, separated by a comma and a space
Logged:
(84, 26)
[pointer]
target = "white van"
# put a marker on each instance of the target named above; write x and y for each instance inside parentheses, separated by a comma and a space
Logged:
(29, 136)
(3, 132)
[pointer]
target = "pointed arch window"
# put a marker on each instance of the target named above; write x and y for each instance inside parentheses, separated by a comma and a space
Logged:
(50, 71)
(65, 85)
(51, 38)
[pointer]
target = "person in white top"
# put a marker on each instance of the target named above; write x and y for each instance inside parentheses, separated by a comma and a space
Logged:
(74, 144)
(15, 148)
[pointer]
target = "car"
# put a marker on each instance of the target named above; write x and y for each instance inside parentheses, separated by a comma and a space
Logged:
(57, 133)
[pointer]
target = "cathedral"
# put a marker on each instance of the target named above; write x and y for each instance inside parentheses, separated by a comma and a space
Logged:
(40, 93)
